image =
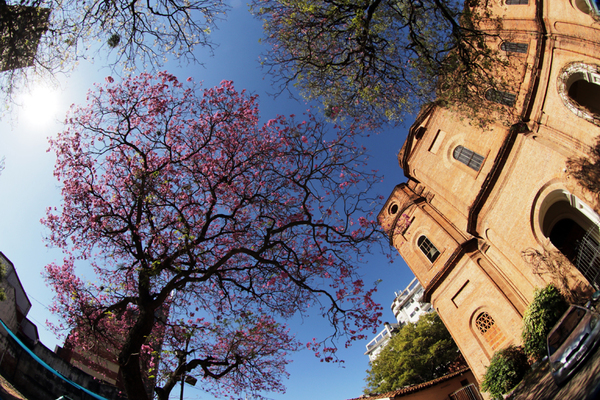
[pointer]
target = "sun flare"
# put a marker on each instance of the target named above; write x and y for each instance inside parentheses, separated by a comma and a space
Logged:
(40, 106)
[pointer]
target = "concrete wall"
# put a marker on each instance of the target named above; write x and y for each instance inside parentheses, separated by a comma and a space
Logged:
(36, 382)
(442, 390)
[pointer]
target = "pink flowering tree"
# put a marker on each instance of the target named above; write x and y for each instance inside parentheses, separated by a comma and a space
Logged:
(206, 230)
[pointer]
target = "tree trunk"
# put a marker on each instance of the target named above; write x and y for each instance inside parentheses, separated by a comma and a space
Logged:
(129, 357)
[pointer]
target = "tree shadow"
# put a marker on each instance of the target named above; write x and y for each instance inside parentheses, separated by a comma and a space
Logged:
(538, 383)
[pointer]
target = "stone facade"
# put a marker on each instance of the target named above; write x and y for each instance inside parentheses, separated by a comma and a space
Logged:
(475, 198)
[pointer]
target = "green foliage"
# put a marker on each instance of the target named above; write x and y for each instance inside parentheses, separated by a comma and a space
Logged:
(379, 60)
(113, 41)
(507, 368)
(417, 353)
(545, 310)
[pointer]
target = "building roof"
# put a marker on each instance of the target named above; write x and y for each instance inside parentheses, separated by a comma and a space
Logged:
(412, 389)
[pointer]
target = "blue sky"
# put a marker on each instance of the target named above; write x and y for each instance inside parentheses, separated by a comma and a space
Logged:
(27, 187)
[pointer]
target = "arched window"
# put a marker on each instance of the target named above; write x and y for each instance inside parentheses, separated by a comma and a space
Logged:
(489, 330)
(484, 322)
(579, 89)
(588, 6)
(512, 47)
(468, 157)
(498, 96)
(572, 227)
(584, 89)
(428, 248)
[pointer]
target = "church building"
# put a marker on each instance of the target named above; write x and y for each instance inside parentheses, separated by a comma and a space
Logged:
(477, 200)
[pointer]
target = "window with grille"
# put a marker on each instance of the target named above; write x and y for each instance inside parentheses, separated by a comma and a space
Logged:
(468, 157)
(484, 322)
(490, 330)
(514, 47)
(498, 96)
(428, 248)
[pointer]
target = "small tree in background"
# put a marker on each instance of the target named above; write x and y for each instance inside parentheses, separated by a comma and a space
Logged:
(418, 353)
(543, 313)
(507, 368)
(206, 230)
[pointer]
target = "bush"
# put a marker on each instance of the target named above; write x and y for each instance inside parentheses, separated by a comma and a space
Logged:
(507, 368)
(543, 313)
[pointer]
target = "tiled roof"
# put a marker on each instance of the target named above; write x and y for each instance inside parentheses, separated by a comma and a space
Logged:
(411, 389)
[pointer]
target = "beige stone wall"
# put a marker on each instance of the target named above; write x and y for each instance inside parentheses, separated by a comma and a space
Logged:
(566, 18)
(466, 293)
(519, 12)
(432, 162)
(482, 220)
(559, 123)
(441, 390)
(419, 219)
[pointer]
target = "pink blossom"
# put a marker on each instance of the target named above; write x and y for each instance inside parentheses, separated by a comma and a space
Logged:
(205, 229)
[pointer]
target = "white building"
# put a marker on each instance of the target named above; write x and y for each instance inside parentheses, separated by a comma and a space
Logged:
(379, 342)
(407, 307)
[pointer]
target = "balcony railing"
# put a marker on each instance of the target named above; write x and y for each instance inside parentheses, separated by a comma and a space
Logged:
(588, 257)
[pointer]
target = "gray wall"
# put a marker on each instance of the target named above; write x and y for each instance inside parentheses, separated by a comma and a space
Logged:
(37, 383)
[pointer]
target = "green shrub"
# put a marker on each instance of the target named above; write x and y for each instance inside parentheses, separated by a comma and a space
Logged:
(507, 367)
(543, 313)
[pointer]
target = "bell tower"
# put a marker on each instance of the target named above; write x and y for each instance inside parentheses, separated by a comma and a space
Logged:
(425, 239)
(467, 289)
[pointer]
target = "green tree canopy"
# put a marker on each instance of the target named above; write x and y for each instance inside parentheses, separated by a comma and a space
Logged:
(378, 59)
(417, 353)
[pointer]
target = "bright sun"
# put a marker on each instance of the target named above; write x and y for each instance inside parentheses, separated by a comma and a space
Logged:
(40, 106)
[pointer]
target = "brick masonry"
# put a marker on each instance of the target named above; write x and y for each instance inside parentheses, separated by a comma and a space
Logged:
(482, 217)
